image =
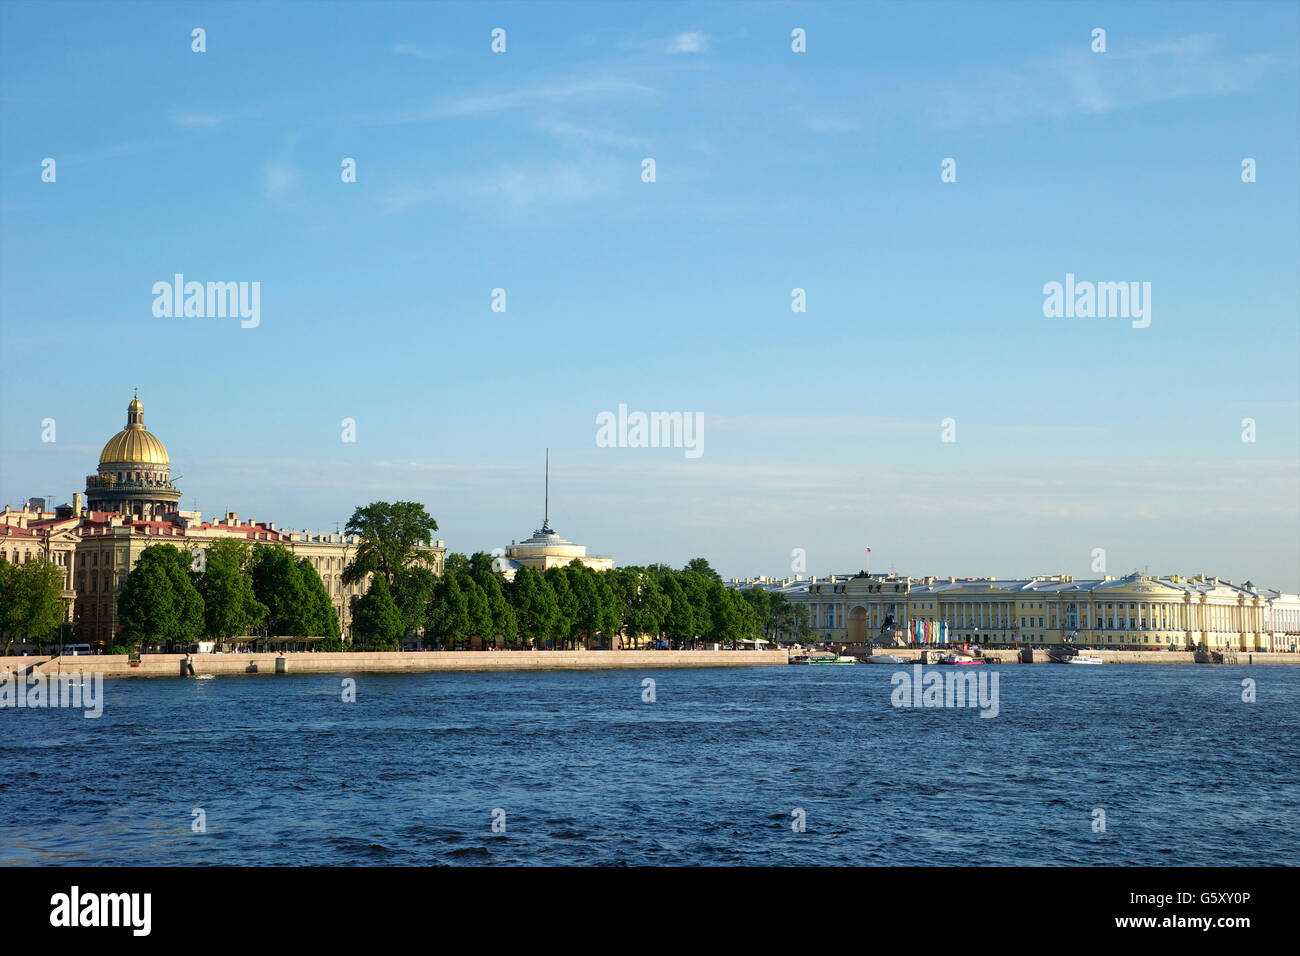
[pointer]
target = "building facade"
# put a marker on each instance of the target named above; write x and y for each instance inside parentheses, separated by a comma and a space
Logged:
(1133, 612)
(1284, 620)
(546, 549)
(131, 504)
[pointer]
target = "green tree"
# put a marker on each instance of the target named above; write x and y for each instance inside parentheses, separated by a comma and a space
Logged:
(749, 624)
(457, 562)
(566, 605)
(376, 619)
(787, 618)
(229, 551)
(230, 608)
(641, 600)
(479, 611)
(534, 604)
(702, 567)
(391, 535)
(679, 620)
(724, 618)
(505, 624)
(31, 601)
(612, 612)
(696, 588)
(320, 619)
(413, 590)
(596, 608)
(448, 615)
(481, 563)
(278, 584)
(759, 603)
(159, 603)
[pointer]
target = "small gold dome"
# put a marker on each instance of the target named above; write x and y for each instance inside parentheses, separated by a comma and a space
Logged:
(133, 444)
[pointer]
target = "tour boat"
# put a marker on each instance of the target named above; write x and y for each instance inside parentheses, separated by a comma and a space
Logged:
(960, 661)
(1071, 655)
(823, 658)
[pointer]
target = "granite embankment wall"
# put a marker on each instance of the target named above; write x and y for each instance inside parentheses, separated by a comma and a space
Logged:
(1013, 656)
(169, 665)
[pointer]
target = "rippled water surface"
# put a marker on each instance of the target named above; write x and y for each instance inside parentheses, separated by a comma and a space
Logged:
(286, 773)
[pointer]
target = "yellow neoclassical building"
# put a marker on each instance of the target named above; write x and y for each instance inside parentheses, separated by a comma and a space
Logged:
(1132, 612)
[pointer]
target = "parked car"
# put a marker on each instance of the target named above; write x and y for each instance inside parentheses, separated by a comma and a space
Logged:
(76, 650)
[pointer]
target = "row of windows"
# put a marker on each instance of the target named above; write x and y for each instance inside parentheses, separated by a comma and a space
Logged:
(1164, 617)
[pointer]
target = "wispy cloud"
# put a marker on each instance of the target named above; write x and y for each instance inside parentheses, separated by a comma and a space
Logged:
(279, 179)
(820, 121)
(864, 425)
(1079, 81)
(589, 135)
(690, 42)
(528, 97)
(420, 52)
(197, 120)
(514, 190)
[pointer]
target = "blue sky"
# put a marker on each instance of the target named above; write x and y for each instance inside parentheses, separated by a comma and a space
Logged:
(775, 170)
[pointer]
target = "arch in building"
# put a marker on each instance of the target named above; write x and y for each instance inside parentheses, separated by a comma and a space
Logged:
(857, 630)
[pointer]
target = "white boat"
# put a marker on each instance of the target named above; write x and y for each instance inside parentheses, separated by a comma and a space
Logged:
(1084, 659)
(958, 660)
(885, 659)
(823, 658)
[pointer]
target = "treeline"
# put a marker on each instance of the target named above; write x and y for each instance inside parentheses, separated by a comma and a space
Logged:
(230, 590)
(471, 601)
(566, 607)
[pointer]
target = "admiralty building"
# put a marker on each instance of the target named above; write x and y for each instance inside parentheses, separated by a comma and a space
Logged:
(129, 504)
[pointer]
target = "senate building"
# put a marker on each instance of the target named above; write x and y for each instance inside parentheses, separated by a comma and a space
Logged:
(1133, 612)
(129, 504)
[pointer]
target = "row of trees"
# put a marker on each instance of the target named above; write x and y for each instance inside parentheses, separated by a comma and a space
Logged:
(472, 600)
(233, 591)
(564, 607)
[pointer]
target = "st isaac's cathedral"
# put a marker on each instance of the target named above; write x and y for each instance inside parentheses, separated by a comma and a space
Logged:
(134, 475)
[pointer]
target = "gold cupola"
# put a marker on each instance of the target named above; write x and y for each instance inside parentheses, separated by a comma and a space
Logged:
(134, 445)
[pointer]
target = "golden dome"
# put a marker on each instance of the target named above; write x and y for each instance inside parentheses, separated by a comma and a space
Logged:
(133, 444)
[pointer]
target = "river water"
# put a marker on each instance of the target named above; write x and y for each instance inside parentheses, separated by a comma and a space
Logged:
(582, 770)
